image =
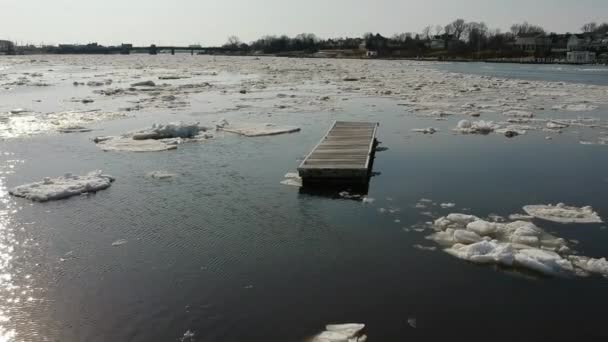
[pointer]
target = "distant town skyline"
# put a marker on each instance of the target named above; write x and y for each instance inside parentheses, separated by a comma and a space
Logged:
(211, 22)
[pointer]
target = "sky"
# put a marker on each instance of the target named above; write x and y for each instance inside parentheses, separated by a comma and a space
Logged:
(211, 22)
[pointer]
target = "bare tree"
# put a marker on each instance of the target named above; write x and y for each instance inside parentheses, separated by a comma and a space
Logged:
(526, 29)
(438, 30)
(589, 27)
(456, 28)
(427, 32)
(233, 42)
(400, 37)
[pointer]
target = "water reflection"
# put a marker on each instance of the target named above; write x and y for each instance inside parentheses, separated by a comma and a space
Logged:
(14, 294)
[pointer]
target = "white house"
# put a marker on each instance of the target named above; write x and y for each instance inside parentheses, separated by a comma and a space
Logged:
(577, 42)
(580, 57)
(533, 43)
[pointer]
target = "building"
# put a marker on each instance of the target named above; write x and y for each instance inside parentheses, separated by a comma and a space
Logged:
(443, 42)
(371, 54)
(559, 44)
(533, 43)
(578, 42)
(6, 47)
(580, 57)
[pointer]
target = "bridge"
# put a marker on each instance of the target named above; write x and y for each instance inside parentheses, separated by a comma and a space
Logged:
(126, 49)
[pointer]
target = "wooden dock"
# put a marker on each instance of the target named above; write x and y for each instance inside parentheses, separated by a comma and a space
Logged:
(344, 155)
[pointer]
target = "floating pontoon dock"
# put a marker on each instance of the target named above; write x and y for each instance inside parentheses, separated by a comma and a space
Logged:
(344, 155)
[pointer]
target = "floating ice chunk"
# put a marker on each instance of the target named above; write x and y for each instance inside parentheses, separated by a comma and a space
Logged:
(170, 130)
(464, 124)
(74, 129)
(545, 262)
(425, 248)
(475, 127)
(144, 84)
(160, 175)
(563, 214)
(429, 130)
(518, 113)
(257, 130)
(447, 205)
(292, 179)
(482, 228)
(63, 187)
(350, 330)
(556, 125)
(18, 111)
(188, 336)
(514, 130)
(172, 77)
(484, 252)
(341, 333)
(519, 244)
(582, 107)
(596, 266)
(119, 242)
(368, 200)
(95, 83)
(222, 123)
(130, 145)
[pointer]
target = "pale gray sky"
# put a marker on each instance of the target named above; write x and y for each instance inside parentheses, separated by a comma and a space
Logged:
(210, 22)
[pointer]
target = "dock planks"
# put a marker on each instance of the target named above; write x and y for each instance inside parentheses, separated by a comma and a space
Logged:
(344, 154)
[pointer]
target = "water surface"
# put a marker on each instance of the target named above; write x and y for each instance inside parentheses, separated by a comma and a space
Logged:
(226, 252)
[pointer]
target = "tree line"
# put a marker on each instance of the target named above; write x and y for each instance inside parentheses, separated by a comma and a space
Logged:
(461, 36)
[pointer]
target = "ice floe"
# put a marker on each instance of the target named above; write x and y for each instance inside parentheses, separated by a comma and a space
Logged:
(63, 187)
(428, 130)
(157, 138)
(292, 179)
(128, 144)
(518, 244)
(518, 113)
(563, 214)
(257, 130)
(170, 130)
(160, 175)
(475, 127)
(581, 107)
(119, 242)
(351, 332)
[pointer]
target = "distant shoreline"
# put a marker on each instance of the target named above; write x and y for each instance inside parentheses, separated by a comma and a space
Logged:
(523, 60)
